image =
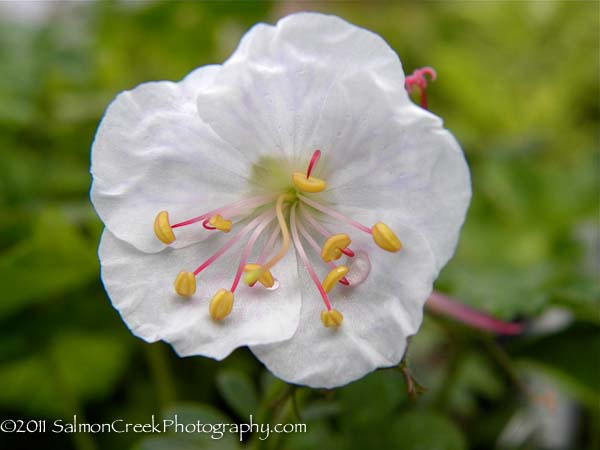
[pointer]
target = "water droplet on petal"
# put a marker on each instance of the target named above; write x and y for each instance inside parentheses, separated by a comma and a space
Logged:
(359, 268)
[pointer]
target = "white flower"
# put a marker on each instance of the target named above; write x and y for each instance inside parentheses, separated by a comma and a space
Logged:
(222, 146)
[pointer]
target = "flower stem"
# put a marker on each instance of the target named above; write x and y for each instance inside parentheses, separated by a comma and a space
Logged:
(444, 305)
(161, 374)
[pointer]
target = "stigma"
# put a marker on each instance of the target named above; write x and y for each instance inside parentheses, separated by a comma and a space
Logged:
(294, 217)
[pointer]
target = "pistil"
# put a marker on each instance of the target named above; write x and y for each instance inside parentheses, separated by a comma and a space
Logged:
(253, 276)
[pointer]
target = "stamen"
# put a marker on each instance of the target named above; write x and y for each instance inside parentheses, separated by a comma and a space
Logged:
(248, 249)
(162, 229)
(321, 229)
(221, 304)
(220, 224)
(333, 277)
(332, 248)
(332, 318)
(232, 242)
(317, 250)
(232, 209)
(205, 224)
(305, 260)
(385, 238)
(347, 252)
(266, 279)
(252, 277)
(185, 284)
(313, 162)
(334, 214)
(381, 233)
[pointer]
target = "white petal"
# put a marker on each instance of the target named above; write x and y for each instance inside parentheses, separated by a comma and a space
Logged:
(379, 315)
(152, 152)
(140, 286)
(382, 157)
(270, 94)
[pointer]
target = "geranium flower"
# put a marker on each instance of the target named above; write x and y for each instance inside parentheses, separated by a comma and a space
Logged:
(293, 200)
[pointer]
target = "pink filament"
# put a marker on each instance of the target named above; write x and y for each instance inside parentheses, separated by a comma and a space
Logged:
(244, 231)
(205, 224)
(314, 222)
(305, 260)
(442, 304)
(313, 162)
(308, 238)
(335, 214)
(233, 209)
(248, 249)
(268, 248)
(321, 229)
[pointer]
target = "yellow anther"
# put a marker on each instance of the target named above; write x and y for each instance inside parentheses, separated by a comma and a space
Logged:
(331, 318)
(333, 277)
(332, 248)
(221, 304)
(219, 223)
(310, 184)
(162, 228)
(385, 238)
(185, 284)
(265, 278)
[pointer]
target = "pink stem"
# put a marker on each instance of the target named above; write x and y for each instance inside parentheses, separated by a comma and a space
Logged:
(308, 238)
(305, 260)
(248, 249)
(231, 242)
(335, 214)
(232, 208)
(441, 304)
(268, 248)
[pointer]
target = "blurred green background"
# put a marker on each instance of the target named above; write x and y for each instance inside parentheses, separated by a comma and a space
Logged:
(517, 84)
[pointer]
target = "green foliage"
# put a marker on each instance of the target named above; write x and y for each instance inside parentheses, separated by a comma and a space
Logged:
(238, 391)
(422, 430)
(72, 368)
(518, 86)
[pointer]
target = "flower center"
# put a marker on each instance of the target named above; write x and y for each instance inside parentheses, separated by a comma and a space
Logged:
(285, 204)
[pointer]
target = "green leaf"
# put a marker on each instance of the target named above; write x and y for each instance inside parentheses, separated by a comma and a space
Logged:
(54, 259)
(74, 368)
(569, 357)
(167, 443)
(366, 404)
(582, 298)
(238, 391)
(426, 430)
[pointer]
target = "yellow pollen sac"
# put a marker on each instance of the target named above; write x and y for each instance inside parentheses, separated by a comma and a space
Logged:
(331, 318)
(185, 284)
(385, 238)
(265, 278)
(220, 224)
(333, 277)
(162, 228)
(332, 247)
(221, 304)
(310, 184)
